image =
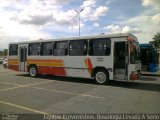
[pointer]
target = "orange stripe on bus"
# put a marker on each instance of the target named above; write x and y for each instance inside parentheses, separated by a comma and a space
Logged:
(47, 64)
(41, 60)
(51, 63)
(13, 61)
(89, 64)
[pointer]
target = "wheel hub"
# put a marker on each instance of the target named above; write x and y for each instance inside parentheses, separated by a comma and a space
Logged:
(100, 77)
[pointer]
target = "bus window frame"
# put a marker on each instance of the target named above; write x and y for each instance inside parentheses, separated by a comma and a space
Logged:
(85, 49)
(39, 49)
(55, 47)
(11, 51)
(136, 59)
(42, 48)
(98, 39)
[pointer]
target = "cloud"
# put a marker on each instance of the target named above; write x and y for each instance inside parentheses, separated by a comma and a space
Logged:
(108, 2)
(37, 19)
(92, 11)
(67, 18)
(96, 25)
(94, 14)
(113, 28)
(148, 24)
(77, 26)
(151, 3)
(88, 3)
(127, 29)
(38, 12)
(87, 13)
(145, 19)
(49, 2)
(100, 11)
(34, 19)
(147, 2)
(11, 28)
(56, 1)
(20, 34)
(156, 18)
(121, 29)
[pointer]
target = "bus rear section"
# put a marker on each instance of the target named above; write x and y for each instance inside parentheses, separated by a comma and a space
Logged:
(13, 57)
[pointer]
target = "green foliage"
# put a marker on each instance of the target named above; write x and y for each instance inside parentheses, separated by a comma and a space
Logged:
(1, 53)
(156, 39)
(5, 51)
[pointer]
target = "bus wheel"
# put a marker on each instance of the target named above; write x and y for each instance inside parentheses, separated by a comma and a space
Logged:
(101, 77)
(33, 71)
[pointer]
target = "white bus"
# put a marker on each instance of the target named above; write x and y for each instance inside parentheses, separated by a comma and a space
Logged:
(101, 57)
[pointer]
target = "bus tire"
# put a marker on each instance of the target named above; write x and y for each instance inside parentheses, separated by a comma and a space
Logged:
(101, 76)
(33, 72)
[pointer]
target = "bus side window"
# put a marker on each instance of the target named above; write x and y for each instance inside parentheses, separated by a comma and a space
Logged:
(61, 48)
(13, 49)
(46, 48)
(85, 47)
(34, 49)
(78, 48)
(100, 47)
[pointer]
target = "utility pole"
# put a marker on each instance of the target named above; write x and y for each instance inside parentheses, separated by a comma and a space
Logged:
(79, 22)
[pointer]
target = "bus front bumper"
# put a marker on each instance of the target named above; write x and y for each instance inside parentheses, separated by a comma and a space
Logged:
(135, 75)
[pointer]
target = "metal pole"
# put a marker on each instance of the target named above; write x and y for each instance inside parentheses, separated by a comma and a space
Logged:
(79, 24)
(79, 20)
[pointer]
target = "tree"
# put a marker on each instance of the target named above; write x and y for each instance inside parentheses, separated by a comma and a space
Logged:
(156, 43)
(5, 51)
(1, 53)
(156, 39)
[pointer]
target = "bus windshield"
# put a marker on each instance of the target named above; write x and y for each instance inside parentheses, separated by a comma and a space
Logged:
(134, 52)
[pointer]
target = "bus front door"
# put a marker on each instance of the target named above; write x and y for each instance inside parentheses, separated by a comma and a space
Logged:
(22, 58)
(120, 60)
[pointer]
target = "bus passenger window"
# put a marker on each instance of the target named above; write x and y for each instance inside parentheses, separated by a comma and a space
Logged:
(100, 47)
(61, 48)
(34, 49)
(13, 49)
(46, 48)
(78, 48)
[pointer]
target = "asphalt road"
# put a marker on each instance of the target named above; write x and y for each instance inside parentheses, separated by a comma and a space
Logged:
(20, 93)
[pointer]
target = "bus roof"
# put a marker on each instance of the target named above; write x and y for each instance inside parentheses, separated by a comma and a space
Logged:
(78, 38)
(146, 45)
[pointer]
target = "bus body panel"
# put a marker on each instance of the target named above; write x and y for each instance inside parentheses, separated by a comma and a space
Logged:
(76, 66)
(13, 63)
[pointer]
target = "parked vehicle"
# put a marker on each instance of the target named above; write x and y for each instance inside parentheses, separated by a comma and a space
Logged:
(1, 60)
(149, 58)
(5, 63)
(101, 57)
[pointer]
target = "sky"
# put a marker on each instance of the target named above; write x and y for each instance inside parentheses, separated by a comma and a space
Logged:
(22, 20)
